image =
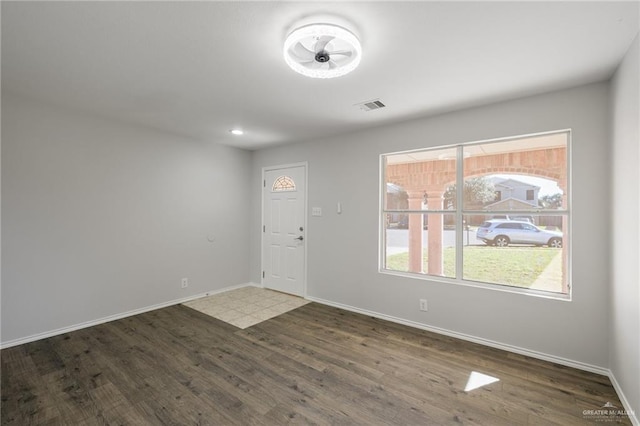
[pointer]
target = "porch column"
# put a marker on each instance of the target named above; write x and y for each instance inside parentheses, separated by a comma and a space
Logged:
(435, 223)
(415, 231)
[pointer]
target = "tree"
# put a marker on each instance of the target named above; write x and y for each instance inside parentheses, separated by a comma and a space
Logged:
(553, 201)
(477, 191)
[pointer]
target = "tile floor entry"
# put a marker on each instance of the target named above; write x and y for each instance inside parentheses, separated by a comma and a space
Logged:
(246, 306)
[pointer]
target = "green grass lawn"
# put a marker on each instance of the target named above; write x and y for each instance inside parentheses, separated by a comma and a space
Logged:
(516, 266)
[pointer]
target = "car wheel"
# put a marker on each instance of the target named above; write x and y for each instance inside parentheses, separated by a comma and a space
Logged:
(501, 241)
(555, 243)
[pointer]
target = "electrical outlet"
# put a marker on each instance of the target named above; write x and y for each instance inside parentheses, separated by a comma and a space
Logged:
(185, 283)
(423, 304)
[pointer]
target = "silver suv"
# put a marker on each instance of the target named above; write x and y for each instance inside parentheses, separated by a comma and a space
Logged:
(502, 232)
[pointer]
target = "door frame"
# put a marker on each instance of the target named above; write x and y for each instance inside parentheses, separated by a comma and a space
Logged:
(304, 164)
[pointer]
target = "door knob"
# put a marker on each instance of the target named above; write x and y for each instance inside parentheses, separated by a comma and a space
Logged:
(299, 238)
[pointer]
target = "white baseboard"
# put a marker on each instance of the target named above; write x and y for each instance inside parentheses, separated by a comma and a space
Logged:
(46, 334)
(510, 348)
(633, 416)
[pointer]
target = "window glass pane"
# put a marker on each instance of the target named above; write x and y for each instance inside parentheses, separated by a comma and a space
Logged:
(526, 174)
(421, 243)
(283, 183)
(515, 253)
(419, 180)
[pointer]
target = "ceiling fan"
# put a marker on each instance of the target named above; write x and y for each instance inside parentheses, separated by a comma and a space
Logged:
(322, 50)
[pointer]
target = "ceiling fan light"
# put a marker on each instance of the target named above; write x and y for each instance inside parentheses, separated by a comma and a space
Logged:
(322, 51)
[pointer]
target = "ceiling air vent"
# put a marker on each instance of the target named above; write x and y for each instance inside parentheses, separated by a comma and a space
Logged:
(371, 105)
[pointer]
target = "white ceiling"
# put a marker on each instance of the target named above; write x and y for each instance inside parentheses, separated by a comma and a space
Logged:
(201, 68)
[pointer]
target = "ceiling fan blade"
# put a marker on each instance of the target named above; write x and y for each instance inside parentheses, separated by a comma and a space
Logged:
(341, 52)
(322, 43)
(302, 53)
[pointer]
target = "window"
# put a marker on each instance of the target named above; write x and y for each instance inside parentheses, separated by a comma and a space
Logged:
(497, 231)
(509, 226)
(283, 183)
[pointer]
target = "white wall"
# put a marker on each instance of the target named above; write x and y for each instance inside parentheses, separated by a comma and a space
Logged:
(343, 249)
(625, 253)
(101, 218)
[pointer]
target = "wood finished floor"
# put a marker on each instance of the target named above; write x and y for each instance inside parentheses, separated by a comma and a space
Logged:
(312, 365)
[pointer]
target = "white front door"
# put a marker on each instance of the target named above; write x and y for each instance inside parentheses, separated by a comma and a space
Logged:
(284, 229)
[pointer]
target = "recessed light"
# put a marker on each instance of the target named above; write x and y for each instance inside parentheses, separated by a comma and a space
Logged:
(237, 132)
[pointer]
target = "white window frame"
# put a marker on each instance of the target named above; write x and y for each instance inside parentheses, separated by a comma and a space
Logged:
(460, 212)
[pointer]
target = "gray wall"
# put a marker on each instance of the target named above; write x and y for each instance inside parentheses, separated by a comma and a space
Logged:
(101, 218)
(343, 249)
(625, 272)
